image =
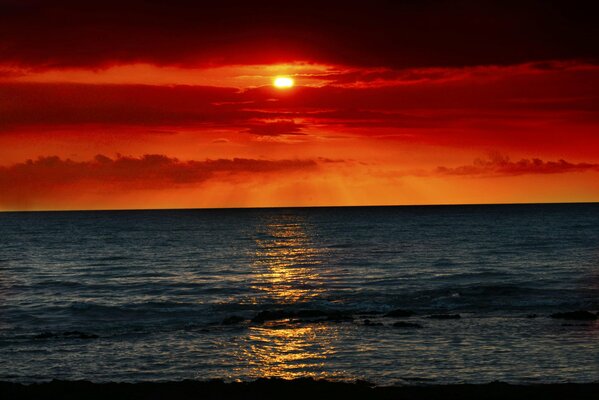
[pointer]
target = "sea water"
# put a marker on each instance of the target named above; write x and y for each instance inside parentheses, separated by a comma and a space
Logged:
(142, 295)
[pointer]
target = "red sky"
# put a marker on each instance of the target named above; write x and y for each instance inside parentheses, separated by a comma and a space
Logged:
(171, 104)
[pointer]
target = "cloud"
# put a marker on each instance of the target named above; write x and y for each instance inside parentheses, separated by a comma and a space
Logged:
(94, 33)
(149, 170)
(497, 165)
(380, 77)
(25, 182)
(275, 128)
(71, 104)
(447, 96)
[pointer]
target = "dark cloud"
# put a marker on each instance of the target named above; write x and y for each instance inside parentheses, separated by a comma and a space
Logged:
(27, 182)
(275, 128)
(499, 165)
(489, 95)
(391, 33)
(220, 141)
(34, 181)
(150, 170)
(65, 104)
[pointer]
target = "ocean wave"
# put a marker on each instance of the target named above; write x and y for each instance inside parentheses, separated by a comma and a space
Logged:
(158, 286)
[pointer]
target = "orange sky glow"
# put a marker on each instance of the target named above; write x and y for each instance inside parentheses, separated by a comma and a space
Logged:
(180, 129)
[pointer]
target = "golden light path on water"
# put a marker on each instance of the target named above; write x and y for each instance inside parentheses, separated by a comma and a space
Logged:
(286, 263)
(290, 271)
(287, 269)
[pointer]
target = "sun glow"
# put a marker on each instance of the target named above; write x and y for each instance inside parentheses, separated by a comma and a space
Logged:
(283, 82)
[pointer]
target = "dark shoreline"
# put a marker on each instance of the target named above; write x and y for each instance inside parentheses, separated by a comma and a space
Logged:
(290, 389)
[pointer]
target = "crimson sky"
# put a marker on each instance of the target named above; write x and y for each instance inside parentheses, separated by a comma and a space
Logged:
(160, 104)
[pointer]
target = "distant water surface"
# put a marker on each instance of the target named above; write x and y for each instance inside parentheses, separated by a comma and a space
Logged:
(141, 295)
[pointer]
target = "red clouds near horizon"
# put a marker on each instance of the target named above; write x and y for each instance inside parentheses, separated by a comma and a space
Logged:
(37, 180)
(406, 93)
(498, 165)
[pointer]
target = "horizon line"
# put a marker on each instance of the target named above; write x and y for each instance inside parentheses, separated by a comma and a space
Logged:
(295, 207)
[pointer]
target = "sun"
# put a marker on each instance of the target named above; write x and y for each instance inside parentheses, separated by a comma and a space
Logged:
(283, 82)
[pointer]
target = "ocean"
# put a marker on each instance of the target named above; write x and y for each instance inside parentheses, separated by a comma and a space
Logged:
(239, 294)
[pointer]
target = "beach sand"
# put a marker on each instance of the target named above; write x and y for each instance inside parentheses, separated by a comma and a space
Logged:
(289, 389)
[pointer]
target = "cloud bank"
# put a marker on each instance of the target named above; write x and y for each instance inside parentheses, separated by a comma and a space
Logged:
(34, 180)
(68, 33)
(499, 165)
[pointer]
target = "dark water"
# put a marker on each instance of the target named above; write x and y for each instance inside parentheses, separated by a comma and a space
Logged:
(154, 287)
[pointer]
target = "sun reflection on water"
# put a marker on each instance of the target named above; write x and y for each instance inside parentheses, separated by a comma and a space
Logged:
(286, 262)
(285, 270)
(288, 352)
